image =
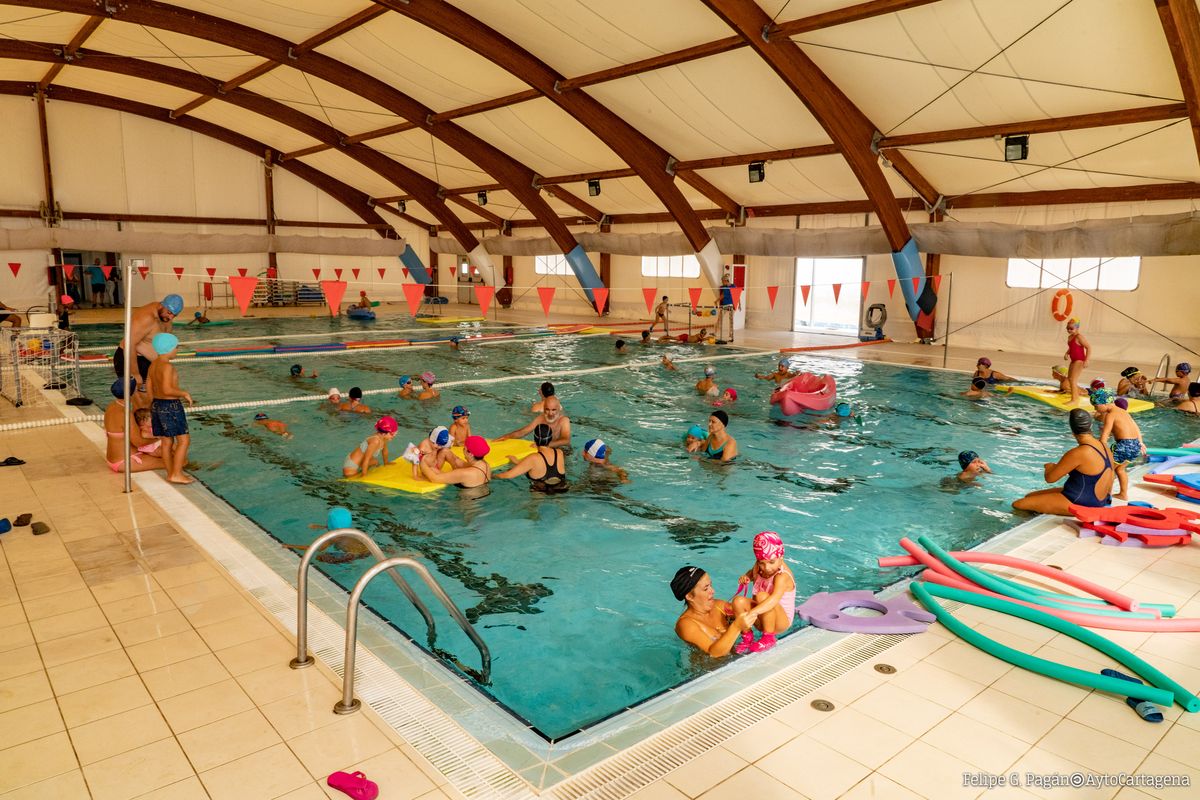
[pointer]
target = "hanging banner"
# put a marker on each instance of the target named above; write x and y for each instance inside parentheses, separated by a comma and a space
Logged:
(736, 291)
(837, 292)
(15, 266)
(937, 283)
(891, 287)
(69, 270)
(413, 293)
(143, 271)
(178, 273)
(600, 295)
(243, 290)
(338, 272)
(484, 295)
(212, 271)
(649, 293)
(772, 291)
(317, 273)
(546, 295)
(694, 294)
(804, 290)
(334, 291)
(241, 271)
(866, 287)
(107, 270)
(354, 271)
(382, 270)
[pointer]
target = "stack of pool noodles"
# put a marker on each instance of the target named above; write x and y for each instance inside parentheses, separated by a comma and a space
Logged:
(1137, 525)
(948, 576)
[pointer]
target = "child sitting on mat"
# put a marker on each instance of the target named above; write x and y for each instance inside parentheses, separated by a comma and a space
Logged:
(460, 429)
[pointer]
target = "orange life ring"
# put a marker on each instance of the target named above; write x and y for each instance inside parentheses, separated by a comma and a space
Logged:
(1065, 311)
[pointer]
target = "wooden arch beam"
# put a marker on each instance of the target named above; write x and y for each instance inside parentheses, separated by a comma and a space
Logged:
(1180, 21)
(68, 53)
(514, 176)
(423, 190)
(353, 199)
(848, 127)
(653, 164)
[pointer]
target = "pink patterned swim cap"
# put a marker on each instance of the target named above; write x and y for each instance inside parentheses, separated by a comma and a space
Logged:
(768, 546)
(387, 425)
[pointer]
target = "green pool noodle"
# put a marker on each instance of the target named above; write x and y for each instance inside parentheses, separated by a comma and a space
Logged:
(1033, 663)
(1172, 452)
(1166, 609)
(1008, 589)
(375, 303)
(1187, 699)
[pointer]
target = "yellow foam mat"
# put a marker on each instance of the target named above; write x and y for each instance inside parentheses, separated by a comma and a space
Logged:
(447, 320)
(1052, 397)
(398, 474)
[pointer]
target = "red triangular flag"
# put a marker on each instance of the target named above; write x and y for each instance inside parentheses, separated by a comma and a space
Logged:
(242, 271)
(937, 283)
(15, 266)
(334, 291)
(143, 271)
(381, 271)
(402, 269)
(772, 291)
(866, 287)
(891, 287)
(338, 271)
(243, 290)
(178, 273)
(69, 269)
(694, 294)
(484, 295)
(317, 273)
(837, 292)
(600, 295)
(355, 271)
(107, 270)
(546, 295)
(736, 291)
(413, 293)
(649, 292)
(272, 272)
(804, 290)
(917, 285)
(212, 271)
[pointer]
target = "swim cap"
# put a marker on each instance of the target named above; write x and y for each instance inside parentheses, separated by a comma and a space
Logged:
(619, 344)
(966, 457)
(721, 416)
(547, 389)
(1194, 389)
(984, 362)
(455, 339)
(362, 294)
(173, 303)
(696, 432)
(1097, 383)
(1121, 403)
(164, 343)
(783, 363)
(387, 425)
(1103, 397)
(843, 409)
(118, 391)
(459, 411)
(1081, 421)
(296, 369)
(1059, 370)
(1073, 322)
(542, 435)
(405, 380)
(645, 334)
(1183, 367)
(731, 392)
(197, 315)
(710, 371)
(440, 436)
(355, 393)
(685, 580)
(429, 378)
(1129, 372)
(337, 518)
(333, 390)
(66, 300)
(596, 448)
(477, 446)
(259, 416)
(978, 383)
(767, 546)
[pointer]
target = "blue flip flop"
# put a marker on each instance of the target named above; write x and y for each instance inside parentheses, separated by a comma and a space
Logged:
(1145, 709)
(5, 525)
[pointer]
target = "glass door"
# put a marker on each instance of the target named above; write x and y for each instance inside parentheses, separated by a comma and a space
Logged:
(823, 311)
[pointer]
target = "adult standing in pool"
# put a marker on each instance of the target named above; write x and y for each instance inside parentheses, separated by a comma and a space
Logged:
(553, 417)
(719, 446)
(710, 625)
(1088, 468)
(546, 467)
(145, 323)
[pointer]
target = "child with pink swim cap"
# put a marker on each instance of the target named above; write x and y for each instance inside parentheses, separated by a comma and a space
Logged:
(372, 448)
(772, 592)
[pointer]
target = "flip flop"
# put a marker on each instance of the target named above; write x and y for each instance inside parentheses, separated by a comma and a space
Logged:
(22, 521)
(1144, 708)
(11, 461)
(354, 784)
(5, 525)
(39, 528)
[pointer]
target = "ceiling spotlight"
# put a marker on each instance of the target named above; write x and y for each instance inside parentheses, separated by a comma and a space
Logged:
(482, 198)
(1016, 148)
(758, 171)
(403, 207)
(594, 187)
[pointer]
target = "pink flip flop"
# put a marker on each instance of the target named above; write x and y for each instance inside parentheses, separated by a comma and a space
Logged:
(354, 784)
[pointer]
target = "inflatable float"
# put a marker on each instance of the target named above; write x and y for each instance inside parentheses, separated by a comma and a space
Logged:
(1062, 401)
(398, 473)
(804, 394)
(361, 314)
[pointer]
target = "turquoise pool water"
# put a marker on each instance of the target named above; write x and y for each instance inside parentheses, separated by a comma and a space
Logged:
(566, 587)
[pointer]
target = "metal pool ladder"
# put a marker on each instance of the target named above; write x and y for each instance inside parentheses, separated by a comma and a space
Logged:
(1164, 369)
(348, 703)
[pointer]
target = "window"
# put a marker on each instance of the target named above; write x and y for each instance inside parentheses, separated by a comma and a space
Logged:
(551, 265)
(823, 310)
(1087, 274)
(670, 267)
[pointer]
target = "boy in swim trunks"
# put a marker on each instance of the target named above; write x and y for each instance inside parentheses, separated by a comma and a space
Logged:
(1129, 445)
(660, 314)
(772, 591)
(167, 417)
(273, 425)
(1180, 382)
(460, 429)
(1192, 404)
(972, 466)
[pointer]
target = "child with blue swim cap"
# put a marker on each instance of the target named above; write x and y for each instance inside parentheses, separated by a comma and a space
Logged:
(342, 550)
(694, 438)
(168, 420)
(1117, 421)
(972, 466)
(598, 453)
(460, 429)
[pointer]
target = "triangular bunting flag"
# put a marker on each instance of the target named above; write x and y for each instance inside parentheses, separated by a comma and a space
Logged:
(600, 295)
(937, 283)
(334, 291)
(804, 290)
(891, 287)
(649, 293)
(837, 292)
(484, 295)
(243, 290)
(402, 269)
(413, 293)
(354, 271)
(15, 266)
(241, 271)
(917, 285)
(382, 270)
(694, 295)
(772, 291)
(143, 271)
(272, 272)
(178, 273)
(338, 272)
(736, 291)
(212, 271)
(866, 287)
(317, 273)
(69, 269)
(107, 270)
(546, 295)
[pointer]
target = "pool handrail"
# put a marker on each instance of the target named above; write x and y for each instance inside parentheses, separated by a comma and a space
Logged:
(1163, 371)
(303, 659)
(349, 704)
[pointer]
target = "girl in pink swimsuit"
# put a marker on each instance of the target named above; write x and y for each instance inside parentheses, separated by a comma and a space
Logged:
(1077, 353)
(772, 592)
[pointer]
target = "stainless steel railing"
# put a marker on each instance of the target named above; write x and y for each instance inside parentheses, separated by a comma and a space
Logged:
(1164, 370)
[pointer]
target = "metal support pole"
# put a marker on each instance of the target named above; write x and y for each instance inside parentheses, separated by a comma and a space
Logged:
(949, 303)
(125, 352)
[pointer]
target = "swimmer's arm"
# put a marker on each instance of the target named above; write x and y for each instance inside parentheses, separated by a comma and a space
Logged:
(691, 632)
(1000, 376)
(520, 432)
(517, 470)
(1056, 472)
(439, 476)
(730, 451)
(1107, 429)
(456, 462)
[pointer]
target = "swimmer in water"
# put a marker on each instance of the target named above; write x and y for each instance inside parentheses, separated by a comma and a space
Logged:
(978, 389)
(668, 364)
(694, 439)
(1059, 373)
(454, 342)
(546, 467)
(619, 347)
(1191, 405)
(1180, 382)
(728, 397)
(297, 371)
(374, 447)
(598, 453)
(356, 404)
(428, 392)
(781, 374)
(460, 429)
(406, 387)
(471, 472)
(772, 592)
(273, 425)
(708, 385)
(983, 369)
(972, 466)
(433, 451)
(334, 396)
(646, 338)
(340, 551)
(1133, 383)
(199, 318)
(544, 391)
(552, 416)
(719, 445)
(710, 625)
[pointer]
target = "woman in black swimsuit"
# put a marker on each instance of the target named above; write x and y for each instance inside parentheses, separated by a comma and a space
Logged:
(546, 467)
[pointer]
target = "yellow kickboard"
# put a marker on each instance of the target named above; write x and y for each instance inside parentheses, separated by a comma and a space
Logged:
(398, 474)
(447, 320)
(1052, 397)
